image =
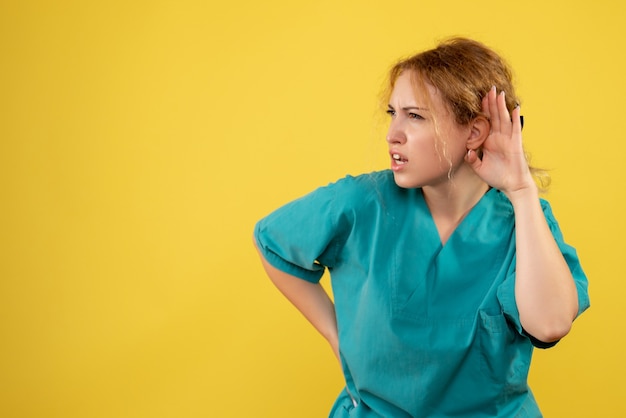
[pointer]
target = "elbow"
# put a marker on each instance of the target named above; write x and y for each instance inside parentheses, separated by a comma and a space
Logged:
(552, 332)
(549, 331)
(549, 327)
(551, 324)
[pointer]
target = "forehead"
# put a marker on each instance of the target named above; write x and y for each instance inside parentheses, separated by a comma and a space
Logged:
(409, 88)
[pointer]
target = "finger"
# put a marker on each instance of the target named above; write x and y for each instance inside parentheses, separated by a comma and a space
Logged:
(485, 105)
(472, 159)
(494, 114)
(503, 112)
(517, 120)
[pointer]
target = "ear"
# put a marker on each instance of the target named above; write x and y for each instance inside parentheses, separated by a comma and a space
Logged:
(479, 131)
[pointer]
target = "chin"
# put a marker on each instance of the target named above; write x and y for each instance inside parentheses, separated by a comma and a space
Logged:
(404, 182)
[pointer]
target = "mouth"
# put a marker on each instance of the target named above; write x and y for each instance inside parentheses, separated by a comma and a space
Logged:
(398, 159)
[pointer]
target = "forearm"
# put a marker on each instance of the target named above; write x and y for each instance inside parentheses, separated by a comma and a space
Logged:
(310, 299)
(545, 292)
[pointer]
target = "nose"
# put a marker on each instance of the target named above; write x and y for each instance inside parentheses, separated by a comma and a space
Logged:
(395, 134)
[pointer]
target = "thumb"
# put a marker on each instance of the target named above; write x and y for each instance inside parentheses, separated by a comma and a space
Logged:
(472, 159)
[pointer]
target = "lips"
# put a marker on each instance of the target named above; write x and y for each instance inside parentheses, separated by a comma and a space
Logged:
(397, 161)
(398, 158)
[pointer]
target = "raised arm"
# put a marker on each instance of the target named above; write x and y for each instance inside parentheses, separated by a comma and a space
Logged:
(310, 299)
(545, 291)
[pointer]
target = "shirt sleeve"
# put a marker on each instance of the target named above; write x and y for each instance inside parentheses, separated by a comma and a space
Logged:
(304, 237)
(506, 291)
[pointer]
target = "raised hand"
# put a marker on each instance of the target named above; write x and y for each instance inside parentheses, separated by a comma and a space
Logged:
(503, 164)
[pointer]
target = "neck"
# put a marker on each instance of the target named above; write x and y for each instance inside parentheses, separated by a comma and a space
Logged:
(451, 201)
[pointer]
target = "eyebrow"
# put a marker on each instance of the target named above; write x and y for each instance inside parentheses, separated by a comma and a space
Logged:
(409, 108)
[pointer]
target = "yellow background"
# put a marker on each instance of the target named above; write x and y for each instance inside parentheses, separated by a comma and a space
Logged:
(141, 140)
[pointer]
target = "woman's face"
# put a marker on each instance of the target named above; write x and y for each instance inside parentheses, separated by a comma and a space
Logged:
(419, 157)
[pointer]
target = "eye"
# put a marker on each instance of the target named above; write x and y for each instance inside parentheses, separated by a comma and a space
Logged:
(415, 116)
(391, 112)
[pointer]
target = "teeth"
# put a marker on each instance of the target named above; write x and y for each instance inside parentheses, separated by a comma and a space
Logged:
(397, 158)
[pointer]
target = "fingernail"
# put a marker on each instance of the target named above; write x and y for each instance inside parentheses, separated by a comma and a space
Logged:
(502, 93)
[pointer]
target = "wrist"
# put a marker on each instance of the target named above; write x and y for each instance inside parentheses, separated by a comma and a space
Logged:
(333, 339)
(334, 344)
(522, 194)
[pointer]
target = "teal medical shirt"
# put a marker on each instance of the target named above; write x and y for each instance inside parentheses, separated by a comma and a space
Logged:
(425, 330)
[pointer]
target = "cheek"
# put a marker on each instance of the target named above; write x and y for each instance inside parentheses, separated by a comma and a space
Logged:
(446, 153)
(457, 142)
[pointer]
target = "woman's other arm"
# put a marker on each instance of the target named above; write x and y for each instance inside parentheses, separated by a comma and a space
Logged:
(310, 299)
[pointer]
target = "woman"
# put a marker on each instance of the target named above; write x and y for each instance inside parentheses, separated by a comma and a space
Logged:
(446, 269)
